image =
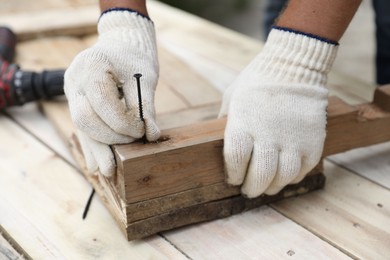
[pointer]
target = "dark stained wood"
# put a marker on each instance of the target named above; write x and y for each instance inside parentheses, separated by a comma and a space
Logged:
(217, 209)
(382, 97)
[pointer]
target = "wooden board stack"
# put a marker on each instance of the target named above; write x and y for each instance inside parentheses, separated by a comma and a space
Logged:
(179, 180)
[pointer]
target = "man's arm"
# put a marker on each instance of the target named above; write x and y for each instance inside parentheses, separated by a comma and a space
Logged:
(136, 5)
(325, 18)
(276, 107)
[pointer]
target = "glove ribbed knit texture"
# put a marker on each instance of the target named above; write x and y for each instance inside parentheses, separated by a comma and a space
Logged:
(128, 27)
(276, 112)
(294, 58)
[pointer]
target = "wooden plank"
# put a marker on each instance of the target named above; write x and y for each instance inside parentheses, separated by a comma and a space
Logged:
(352, 127)
(188, 116)
(382, 97)
(351, 90)
(193, 88)
(371, 162)
(48, 53)
(9, 248)
(190, 157)
(258, 234)
(354, 214)
(219, 75)
(215, 209)
(167, 101)
(211, 193)
(66, 21)
(32, 203)
(18, 6)
(7, 251)
(30, 117)
(144, 218)
(197, 34)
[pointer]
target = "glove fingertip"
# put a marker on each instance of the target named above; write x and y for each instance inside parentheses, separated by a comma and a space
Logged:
(237, 153)
(153, 132)
(107, 169)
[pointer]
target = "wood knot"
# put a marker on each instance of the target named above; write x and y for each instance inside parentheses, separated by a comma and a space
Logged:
(145, 180)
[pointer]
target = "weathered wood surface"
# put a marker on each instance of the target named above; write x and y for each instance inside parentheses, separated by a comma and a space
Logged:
(9, 248)
(42, 200)
(235, 236)
(142, 218)
(354, 211)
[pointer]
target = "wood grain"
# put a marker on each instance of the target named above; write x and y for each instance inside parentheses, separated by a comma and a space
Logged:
(258, 234)
(371, 162)
(351, 127)
(43, 198)
(144, 218)
(185, 81)
(215, 209)
(191, 157)
(353, 209)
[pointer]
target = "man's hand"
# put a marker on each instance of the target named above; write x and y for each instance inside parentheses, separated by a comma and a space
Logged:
(102, 92)
(276, 112)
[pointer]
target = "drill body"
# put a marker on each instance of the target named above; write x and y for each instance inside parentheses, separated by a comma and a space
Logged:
(17, 86)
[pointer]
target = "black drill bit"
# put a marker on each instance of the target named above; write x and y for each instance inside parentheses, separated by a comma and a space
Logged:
(140, 108)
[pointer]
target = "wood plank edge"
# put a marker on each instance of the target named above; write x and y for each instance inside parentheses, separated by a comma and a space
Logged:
(13, 243)
(162, 205)
(98, 182)
(218, 209)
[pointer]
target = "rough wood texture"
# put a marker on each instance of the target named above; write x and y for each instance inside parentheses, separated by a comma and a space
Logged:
(144, 217)
(42, 201)
(356, 126)
(349, 205)
(216, 209)
(190, 157)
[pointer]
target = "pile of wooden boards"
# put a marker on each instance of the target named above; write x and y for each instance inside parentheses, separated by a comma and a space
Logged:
(179, 180)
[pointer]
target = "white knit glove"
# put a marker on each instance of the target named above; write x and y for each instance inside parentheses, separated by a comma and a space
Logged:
(277, 113)
(102, 92)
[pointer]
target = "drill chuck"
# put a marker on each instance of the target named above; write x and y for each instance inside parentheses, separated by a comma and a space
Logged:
(30, 86)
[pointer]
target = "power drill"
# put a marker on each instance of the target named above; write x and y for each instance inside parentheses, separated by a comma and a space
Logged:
(17, 86)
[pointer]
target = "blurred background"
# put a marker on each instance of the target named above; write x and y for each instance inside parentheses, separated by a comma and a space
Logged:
(357, 47)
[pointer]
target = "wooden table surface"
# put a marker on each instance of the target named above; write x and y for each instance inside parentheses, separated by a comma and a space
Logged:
(42, 193)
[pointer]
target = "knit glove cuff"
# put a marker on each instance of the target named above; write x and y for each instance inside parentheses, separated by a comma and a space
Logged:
(294, 57)
(128, 26)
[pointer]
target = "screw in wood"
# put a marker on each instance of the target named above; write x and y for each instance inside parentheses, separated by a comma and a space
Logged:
(137, 76)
